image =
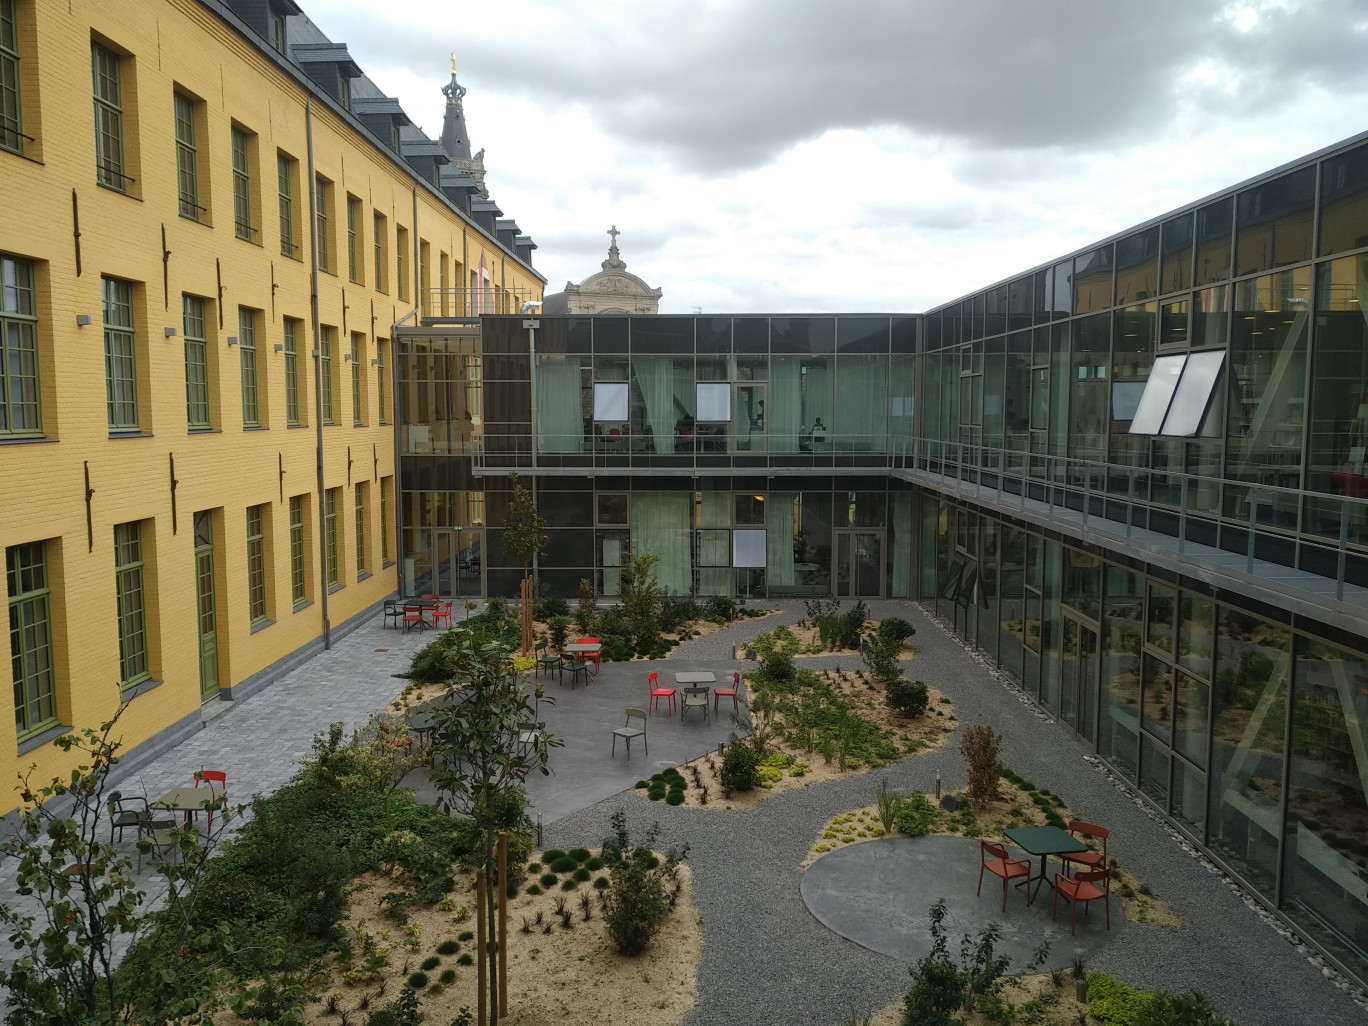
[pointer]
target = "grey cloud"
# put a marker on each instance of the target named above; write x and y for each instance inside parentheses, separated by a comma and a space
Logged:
(731, 86)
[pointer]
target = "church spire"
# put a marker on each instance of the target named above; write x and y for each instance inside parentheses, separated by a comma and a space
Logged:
(455, 138)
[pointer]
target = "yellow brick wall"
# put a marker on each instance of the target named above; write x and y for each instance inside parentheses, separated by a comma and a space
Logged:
(170, 44)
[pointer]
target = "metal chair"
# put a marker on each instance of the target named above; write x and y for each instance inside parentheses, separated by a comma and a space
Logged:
(657, 693)
(551, 662)
(731, 691)
(694, 698)
(393, 611)
(124, 812)
(576, 667)
(212, 777)
(1000, 865)
(627, 732)
(1087, 859)
(1083, 887)
(586, 656)
(442, 613)
(412, 615)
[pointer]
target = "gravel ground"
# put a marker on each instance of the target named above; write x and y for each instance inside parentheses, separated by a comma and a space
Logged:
(768, 960)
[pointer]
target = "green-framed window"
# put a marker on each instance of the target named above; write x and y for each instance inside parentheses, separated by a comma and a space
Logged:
(35, 705)
(353, 239)
(196, 363)
(242, 186)
(344, 91)
(378, 235)
(285, 190)
(292, 417)
(384, 520)
(361, 505)
(247, 355)
(128, 585)
(322, 206)
(325, 348)
(330, 504)
(187, 169)
(299, 582)
(19, 410)
(11, 125)
(401, 244)
(256, 563)
(381, 344)
(109, 135)
(358, 396)
(277, 31)
(121, 368)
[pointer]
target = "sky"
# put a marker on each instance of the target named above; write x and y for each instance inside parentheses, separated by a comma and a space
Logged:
(871, 155)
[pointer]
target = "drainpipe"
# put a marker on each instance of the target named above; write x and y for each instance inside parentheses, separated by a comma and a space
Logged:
(417, 278)
(318, 380)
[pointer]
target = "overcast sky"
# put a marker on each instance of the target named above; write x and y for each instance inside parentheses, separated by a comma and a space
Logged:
(870, 155)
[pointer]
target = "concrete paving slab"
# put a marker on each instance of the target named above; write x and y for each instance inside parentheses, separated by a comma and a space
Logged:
(878, 893)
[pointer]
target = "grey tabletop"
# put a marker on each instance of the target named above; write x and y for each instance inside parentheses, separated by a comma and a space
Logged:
(695, 677)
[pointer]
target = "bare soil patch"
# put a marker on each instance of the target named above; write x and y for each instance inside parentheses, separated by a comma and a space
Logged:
(1014, 807)
(572, 977)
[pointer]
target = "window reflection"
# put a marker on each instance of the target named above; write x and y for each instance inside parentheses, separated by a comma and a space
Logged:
(1176, 269)
(1275, 222)
(1344, 202)
(1123, 628)
(1137, 267)
(1213, 242)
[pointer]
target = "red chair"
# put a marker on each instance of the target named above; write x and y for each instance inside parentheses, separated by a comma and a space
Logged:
(586, 656)
(212, 777)
(657, 693)
(736, 685)
(412, 615)
(1087, 859)
(1001, 865)
(1083, 887)
(441, 613)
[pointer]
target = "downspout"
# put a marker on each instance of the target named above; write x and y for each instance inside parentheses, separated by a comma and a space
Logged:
(417, 276)
(318, 380)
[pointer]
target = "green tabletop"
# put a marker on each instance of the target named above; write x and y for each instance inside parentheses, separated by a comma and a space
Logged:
(1045, 840)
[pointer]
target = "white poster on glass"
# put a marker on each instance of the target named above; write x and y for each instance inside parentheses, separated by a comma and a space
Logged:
(748, 548)
(610, 401)
(714, 402)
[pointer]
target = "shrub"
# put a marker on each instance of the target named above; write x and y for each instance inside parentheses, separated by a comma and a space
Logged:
(720, 606)
(448, 977)
(1191, 1009)
(558, 630)
(739, 764)
(569, 883)
(533, 889)
(674, 798)
(564, 864)
(916, 814)
(979, 745)
(448, 947)
(637, 901)
(880, 657)
(432, 663)
(580, 854)
(551, 607)
(676, 611)
(582, 874)
(418, 980)
(465, 960)
(465, 935)
(602, 883)
(1114, 1002)
(430, 963)
(551, 854)
(594, 864)
(548, 879)
(906, 697)
(894, 628)
(851, 624)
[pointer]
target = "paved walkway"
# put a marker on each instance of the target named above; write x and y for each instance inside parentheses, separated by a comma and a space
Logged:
(766, 957)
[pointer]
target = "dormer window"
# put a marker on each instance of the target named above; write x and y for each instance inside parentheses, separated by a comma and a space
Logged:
(394, 137)
(278, 31)
(344, 92)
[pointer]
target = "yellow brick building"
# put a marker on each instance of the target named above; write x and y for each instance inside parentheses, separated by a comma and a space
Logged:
(197, 463)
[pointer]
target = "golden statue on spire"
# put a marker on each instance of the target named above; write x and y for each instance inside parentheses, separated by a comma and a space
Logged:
(453, 64)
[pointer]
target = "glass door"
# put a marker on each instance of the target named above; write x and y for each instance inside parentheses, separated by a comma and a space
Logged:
(1078, 677)
(457, 567)
(859, 564)
(750, 424)
(208, 618)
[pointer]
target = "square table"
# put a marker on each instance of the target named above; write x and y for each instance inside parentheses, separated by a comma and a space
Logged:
(189, 799)
(1044, 841)
(581, 649)
(695, 677)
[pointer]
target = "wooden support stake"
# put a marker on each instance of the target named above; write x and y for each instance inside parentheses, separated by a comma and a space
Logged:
(481, 879)
(503, 922)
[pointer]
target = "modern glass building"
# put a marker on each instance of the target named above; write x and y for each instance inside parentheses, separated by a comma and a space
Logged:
(1133, 478)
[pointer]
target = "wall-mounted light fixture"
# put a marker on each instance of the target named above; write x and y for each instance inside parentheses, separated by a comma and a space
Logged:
(375, 363)
(314, 354)
(279, 347)
(169, 332)
(82, 320)
(346, 357)
(232, 340)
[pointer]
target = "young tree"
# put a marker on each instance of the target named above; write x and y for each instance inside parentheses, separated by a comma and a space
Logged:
(641, 597)
(89, 906)
(480, 752)
(524, 528)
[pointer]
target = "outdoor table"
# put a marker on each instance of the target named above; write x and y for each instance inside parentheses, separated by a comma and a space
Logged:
(424, 605)
(695, 677)
(189, 799)
(1044, 841)
(422, 724)
(581, 649)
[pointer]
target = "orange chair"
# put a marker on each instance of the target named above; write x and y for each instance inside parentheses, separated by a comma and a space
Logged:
(1001, 865)
(1087, 859)
(736, 686)
(442, 613)
(657, 693)
(212, 777)
(1083, 887)
(586, 656)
